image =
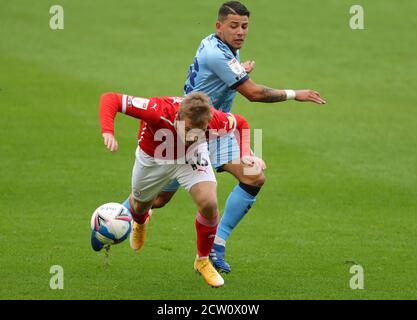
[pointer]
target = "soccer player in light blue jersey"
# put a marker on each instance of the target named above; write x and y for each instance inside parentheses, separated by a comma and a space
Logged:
(217, 71)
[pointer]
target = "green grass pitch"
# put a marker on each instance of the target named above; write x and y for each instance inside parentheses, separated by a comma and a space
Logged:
(341, 180)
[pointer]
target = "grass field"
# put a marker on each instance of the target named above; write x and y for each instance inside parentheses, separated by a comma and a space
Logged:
(341, 180)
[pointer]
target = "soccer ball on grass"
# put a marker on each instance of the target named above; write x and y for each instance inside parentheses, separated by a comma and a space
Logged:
(111, 223)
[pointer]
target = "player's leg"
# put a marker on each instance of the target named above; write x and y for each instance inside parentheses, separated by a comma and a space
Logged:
(207, 219)
(148, 179)
(166, 195)
(239, 201)
(141, 213)
(204, 196)
(200, 182)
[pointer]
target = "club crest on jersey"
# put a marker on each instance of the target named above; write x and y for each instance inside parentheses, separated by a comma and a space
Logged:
(237, 68)
(140, 103)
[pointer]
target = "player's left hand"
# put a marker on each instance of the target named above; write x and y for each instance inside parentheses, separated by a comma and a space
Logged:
(309, 95)
(110, 142)
(248, 65)
(252, 161)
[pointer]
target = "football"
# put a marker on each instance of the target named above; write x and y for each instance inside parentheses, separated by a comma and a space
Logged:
(111, 223)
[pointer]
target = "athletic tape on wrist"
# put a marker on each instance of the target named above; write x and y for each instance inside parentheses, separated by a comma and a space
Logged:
(290, 94)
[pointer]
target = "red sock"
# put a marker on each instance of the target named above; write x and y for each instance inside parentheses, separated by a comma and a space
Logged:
(139, 218)
(206, 231)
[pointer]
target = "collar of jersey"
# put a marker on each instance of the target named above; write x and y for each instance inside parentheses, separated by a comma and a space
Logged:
(231, 49)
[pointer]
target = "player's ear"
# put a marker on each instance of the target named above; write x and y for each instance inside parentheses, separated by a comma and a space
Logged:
(218, 26)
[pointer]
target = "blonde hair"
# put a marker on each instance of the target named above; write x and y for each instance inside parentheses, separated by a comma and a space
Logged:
(196, 107)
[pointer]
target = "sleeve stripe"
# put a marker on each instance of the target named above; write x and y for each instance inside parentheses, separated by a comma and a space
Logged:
(237, 84)
(124, 98)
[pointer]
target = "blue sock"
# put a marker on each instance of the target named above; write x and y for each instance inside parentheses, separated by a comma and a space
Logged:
(238, 204)
(127, 203)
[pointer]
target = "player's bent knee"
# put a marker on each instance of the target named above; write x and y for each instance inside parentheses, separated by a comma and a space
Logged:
(260, 180)
(208, 207)
(257, 180)
(158, 203)
(139, 207)
(162, 199)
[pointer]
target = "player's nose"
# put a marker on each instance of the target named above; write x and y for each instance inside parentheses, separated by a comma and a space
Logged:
(241, 32)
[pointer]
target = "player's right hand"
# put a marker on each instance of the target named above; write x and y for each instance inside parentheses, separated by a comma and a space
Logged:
(248, 65)
(110, 142)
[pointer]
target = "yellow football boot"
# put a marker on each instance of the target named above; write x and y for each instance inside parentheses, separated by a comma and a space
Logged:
(138, 234)
(209, 273)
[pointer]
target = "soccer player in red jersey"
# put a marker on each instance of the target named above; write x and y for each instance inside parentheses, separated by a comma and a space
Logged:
(172, 144)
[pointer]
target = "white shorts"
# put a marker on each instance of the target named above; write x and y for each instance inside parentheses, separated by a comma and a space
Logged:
(150, 175)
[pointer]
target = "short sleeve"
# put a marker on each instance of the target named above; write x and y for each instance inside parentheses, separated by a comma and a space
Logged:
(227, 68)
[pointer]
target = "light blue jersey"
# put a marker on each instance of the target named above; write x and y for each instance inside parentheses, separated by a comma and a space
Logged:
(217, 72)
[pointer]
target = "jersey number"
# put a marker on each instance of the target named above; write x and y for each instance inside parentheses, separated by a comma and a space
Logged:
(192, 73)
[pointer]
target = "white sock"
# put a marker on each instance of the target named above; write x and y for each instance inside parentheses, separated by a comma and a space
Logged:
(220, 241)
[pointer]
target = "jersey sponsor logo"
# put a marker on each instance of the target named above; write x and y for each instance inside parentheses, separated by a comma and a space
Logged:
(237, 68)
(154, 106)
(140, 103)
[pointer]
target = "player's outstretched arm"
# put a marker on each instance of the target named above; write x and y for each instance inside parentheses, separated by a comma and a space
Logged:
(111, 103)
(259, 93)
(109, 106)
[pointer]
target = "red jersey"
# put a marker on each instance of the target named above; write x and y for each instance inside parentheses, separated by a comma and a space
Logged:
(159, 113)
